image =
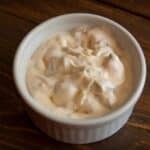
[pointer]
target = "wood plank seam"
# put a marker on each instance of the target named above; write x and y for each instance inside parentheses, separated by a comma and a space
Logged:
(18, 17)
(123, 9)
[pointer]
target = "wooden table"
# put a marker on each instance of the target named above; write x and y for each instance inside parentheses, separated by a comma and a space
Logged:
(18, 17)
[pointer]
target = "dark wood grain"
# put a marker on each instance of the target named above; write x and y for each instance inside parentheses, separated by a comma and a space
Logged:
(19, 17)
(138, 7)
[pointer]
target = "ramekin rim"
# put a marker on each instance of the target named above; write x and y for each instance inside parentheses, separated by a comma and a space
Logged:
(91, 121)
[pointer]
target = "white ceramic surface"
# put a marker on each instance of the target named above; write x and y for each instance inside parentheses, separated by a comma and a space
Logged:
(70, 130)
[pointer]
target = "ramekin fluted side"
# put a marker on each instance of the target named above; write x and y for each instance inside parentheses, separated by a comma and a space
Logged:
(79, 134)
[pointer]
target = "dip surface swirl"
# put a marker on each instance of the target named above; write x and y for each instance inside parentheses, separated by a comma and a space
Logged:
(79, 74)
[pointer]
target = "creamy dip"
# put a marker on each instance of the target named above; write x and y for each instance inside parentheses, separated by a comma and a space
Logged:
(79, 74)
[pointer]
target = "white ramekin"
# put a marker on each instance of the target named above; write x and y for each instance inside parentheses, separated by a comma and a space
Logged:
(70, 130)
